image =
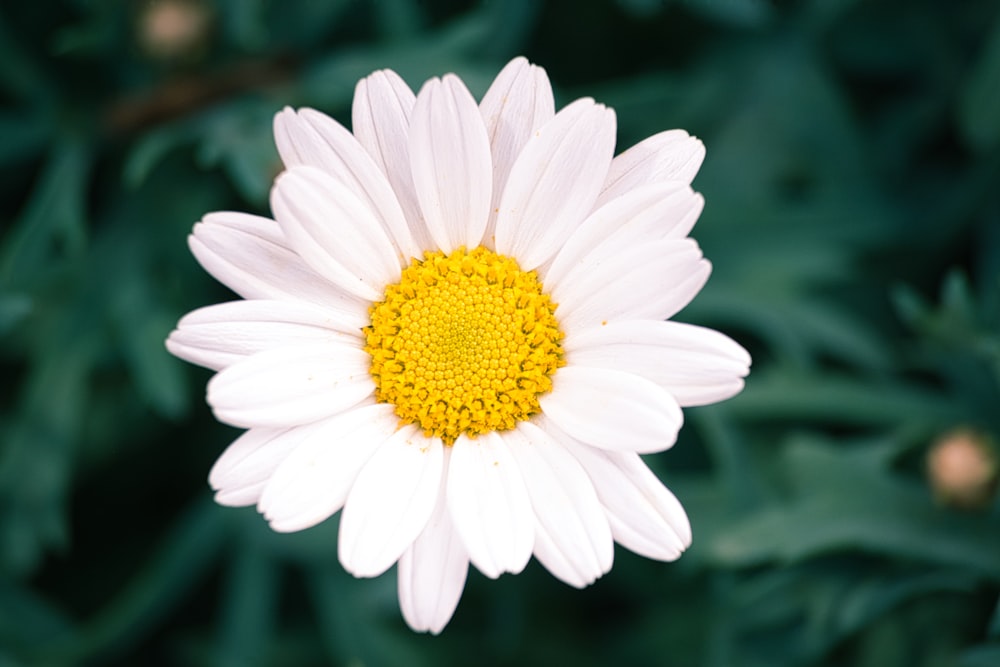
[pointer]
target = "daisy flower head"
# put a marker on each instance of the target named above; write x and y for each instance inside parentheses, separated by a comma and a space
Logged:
(453, 331)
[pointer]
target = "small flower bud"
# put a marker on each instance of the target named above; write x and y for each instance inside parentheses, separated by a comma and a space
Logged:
(962, 469)
(174, 30)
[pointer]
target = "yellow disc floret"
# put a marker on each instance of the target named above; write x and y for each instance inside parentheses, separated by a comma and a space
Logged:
(464, 343)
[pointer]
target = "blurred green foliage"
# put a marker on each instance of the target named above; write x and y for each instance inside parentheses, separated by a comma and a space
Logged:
(853, 218)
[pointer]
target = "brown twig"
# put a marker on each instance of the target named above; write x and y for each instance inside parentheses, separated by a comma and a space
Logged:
(182, 96)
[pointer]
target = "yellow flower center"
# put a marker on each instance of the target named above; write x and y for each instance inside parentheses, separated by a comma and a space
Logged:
(464, 343)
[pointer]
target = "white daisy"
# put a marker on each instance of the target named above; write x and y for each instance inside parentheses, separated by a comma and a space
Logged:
(454, 330)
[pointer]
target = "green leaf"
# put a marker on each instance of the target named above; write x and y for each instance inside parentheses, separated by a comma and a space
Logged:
(143, 326)
(250, 608)
(23, 135)
(20, 74)
(150, 149)
(352, 616)
(399, 19)
(329, 82)
(994, 630)
(27, 619)
(36, 455)
(986, 655)
(840, 399)
(743, 13)
(315, 546)
(51, 227)
(876, 593)
(847, 500)
(241, 140)
(14, 308)
(979, 103)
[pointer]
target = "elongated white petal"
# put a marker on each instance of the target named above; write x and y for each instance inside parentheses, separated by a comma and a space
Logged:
(300, 144)
(239, 475)
(554, 182)
(653, 281)
(240, 496)
(381, 113)
(432, 571)
(516, 105)
(390, 502)
(249, 255)
(314, 139)
(313, 481)
(612, 410)
(451, 163)
(578, 547)
(644, 515)
(489, 505)
(334, 232)
(651, 213)
(695, 364)
(220, 335)
(290, 386)
(668, 156)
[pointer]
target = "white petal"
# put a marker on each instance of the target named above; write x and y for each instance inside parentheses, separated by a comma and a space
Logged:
(299, 144)
(554, 560)
(554, 182)
(578, 547)
(654, 212)
(249, 255)
(381, 119)
(697, 365)
(612, 410)
(645, 516)
(653, 281)
(314, 139)
(668, 156)
(432, 572)
(489, 505)
(313, 481)
(336, 233)
(390, 502)
(220, 335)
(241, 496)
(516, 105)
(290, 386)
(239, 475)
(451, 164)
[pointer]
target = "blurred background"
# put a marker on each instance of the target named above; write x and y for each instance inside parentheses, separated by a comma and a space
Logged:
(844, 506)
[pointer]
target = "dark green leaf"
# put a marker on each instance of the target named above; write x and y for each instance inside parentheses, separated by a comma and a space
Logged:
(979, 104)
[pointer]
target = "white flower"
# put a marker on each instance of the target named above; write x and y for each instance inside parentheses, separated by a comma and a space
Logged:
(454, 331)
